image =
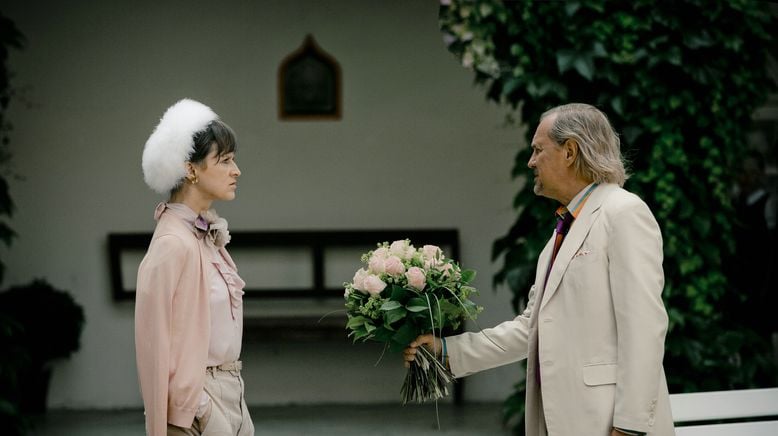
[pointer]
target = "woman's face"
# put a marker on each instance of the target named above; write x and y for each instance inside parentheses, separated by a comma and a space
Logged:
(218, 176)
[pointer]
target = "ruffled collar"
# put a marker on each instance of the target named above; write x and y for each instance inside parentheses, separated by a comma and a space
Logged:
(207, 224)
(234, 283)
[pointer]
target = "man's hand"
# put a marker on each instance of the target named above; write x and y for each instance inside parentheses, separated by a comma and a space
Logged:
(431, 342)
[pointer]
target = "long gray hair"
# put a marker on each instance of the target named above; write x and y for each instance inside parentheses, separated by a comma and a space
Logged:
(599, 155)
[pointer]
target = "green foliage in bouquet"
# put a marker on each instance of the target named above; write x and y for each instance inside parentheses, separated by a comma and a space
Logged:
(405, 292)
(680, 81)
(384, 306)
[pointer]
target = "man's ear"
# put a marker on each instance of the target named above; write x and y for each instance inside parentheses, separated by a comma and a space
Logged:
(571, 151)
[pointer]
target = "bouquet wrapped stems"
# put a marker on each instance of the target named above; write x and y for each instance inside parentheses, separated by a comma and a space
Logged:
(427, 378)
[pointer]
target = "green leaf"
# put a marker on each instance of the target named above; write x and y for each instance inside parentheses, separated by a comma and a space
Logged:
(417, 308)
(416, 304)
(585, 67)
(405, 335)
(468, 275)
(399, 293)
(565, 60)
(390, 305)
(356, 321)
(395, 315)
(382, 334)
(571, 8)
(360, 333)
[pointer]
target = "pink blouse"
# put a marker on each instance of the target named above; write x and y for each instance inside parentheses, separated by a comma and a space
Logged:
(226, 299)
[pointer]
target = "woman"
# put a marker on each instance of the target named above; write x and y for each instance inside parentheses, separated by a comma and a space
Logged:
(188, 312)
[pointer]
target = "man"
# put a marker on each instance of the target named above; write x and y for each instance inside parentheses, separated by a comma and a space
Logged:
(594, 328)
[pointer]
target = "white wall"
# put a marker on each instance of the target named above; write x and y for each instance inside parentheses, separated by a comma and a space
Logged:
(418, 147)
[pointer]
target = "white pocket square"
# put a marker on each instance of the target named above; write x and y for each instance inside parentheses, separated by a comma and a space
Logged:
(582, 253)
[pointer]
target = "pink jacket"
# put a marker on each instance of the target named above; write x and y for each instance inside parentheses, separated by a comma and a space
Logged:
(172, 324)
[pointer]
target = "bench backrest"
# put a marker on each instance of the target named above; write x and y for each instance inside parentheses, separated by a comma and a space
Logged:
(727, 405)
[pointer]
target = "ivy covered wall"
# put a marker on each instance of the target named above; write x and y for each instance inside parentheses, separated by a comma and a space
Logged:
(679, 81)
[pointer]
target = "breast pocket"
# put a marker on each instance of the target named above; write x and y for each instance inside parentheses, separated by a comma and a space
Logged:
(585, 257)
(599, 374)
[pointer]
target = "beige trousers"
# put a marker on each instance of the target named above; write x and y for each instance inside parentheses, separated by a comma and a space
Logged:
(227, 414)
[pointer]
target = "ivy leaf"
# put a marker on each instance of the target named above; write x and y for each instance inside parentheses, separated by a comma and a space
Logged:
(571, 8)
(565, 60)
(417, 305)
(585, 66)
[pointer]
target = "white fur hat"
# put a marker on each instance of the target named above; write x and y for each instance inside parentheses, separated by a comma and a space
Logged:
(172, 143)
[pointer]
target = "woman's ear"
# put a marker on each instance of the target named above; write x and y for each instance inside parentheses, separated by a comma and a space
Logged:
(190, 171)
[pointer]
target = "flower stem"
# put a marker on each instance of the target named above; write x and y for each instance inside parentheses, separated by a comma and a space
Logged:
(427, 379)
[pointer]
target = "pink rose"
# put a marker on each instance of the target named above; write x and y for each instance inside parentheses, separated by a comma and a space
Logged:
(374, 285)
(394, 266)
(416, 278)
(448, 270)
(380, 253)
(402, 249)
(431, 255)
(359, 279)
(432, 252)
(377, 265)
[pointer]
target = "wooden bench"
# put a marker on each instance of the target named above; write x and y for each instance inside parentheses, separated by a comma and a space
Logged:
(749, 412)
(319, 247)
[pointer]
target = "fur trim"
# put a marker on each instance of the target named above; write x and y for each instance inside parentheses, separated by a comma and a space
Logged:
(172, 143)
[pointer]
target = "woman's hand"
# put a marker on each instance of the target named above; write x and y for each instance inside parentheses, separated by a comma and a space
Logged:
(430, 341)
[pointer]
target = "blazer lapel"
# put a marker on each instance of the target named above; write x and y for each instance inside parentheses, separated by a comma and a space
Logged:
(574, 239)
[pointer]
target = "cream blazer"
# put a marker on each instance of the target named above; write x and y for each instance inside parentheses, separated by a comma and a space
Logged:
(598, 331)
(172, 324)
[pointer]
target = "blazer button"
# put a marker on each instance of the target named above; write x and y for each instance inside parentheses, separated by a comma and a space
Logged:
(548, 320)
(548, 363)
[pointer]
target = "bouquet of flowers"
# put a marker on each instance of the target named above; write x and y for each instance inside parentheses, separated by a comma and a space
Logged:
(406, 292)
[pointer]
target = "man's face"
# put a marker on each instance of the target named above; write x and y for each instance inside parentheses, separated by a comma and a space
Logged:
(547, 162)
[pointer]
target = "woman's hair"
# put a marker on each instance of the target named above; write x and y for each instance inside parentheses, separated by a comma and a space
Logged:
(217, 135)
(599, 155)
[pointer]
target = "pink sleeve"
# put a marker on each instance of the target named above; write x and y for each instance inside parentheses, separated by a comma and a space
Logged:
(158, 278)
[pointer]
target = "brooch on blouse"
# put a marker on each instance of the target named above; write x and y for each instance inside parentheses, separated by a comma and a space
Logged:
(213, 227)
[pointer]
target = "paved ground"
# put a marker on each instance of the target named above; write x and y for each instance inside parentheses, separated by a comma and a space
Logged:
(411, 420)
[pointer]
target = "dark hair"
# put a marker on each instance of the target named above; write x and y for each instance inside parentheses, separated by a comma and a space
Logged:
(216, 135)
